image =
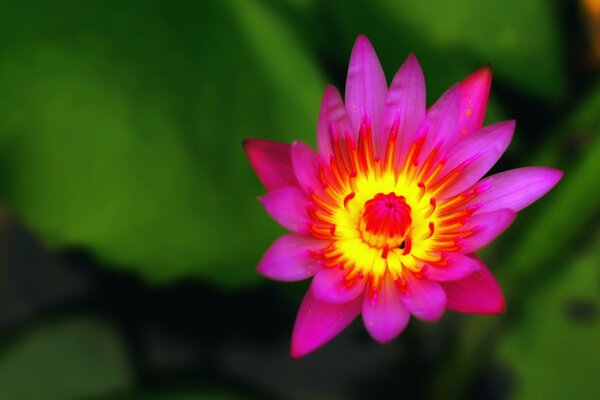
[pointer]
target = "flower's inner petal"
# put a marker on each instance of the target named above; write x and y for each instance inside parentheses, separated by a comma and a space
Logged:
(292, 257)
(366, 86)
(404, 107)
(425, 299)
(331, 285)
(484, 228)
(476, 154)
(456, 266)
(305, 162)
(474, 92)
(333, 121)
(383, 312)
(288, 206)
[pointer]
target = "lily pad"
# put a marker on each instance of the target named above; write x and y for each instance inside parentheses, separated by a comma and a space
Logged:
(71, 359)
(121, 129)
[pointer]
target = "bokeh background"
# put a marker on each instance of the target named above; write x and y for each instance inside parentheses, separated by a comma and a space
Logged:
(130, 230)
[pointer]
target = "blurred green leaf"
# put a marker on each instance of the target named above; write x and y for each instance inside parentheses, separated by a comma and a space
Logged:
(553, 350)
(121, 128)
(181, 394)
(72, 359)
(519, 38)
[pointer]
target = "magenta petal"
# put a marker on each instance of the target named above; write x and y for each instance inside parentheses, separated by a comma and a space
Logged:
(478, 293)
(330, 285)
(405, 105)
(272, 162)
(424, 298)
(289, 258)
(385, 316)
(486, 227)
(517, 188)
(366, 86)
(305, 162)
(476, 154)
(332, 118)
(288, 206)
(458, 266)
(318, 322)
(474, 92)
(439, 124)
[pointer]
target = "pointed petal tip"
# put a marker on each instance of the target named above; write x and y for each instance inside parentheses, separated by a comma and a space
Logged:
(362, 40)
(555, 175)
(478, 293)
(300, 349)
(297, 351)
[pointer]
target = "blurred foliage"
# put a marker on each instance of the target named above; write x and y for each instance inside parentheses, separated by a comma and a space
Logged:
(71, 359)
(182, 394)
(121, 128)
(549, 347)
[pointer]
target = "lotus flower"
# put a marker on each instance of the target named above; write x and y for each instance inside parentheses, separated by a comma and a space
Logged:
(387, 215)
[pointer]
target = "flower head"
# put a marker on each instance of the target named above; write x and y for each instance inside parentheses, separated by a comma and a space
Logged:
(387, 215)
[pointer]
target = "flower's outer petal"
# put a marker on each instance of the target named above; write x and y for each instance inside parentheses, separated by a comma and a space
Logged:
(305, 162)
(486, 227)
(272, 162)
(366, 86)
(330, 285)
(478, 293)
(424, 298)
(384, 315)
(457, 266)
(289, 258)
(318, 322)
(474, 92)
(476, 154)
(288, 206)
(439, 124)
(517, 188)
(332, 118)
(404, 105)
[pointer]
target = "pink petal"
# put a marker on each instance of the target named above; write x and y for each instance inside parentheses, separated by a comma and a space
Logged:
(289, 258)
(478, 293)
(477, 153)
(330, 285)
(288, 206)
(425, 299)
(385, 316)
(517, 188)
(272, 162)
(405, 101)
(439, 124)
(486, 228)
(474, 92)
(332, 117)
(366, 86)
(458, 266)
(318, 322)
(305, 162)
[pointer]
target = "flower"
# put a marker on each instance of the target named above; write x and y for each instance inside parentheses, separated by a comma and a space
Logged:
(386, 217)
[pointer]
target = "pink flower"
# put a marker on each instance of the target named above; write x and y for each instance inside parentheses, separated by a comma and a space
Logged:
(387, 215)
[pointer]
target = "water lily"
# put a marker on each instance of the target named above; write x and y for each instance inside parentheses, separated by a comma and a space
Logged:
(387, 215)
